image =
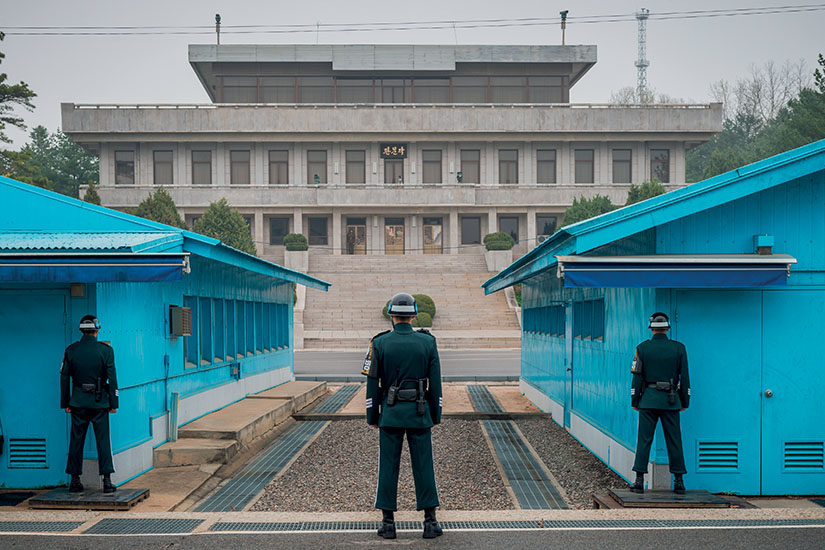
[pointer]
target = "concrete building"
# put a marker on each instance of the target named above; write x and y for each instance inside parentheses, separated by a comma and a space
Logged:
(737, 263)
(388, 149)
(60, 259)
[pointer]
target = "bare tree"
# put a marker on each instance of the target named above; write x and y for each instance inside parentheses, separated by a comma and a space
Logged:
(629, 95)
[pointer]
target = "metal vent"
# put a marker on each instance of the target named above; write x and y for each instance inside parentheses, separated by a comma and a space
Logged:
(804, 455)
(718, 455)
(27, 453)
(180, 321)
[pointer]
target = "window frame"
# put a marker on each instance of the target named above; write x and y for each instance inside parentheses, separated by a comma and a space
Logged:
(233, 163)
(393, 162)
(622, 162)
(502, 163)
(434, 166)
(577, 163)
(322, 174)
(542, 162)
(201, 162)
(163, 163)
(654, 162)
(355, 163)
(127, 163)
(272, 234)
(509, 218)
(278, 165)
(318, 240)
(461, 222)
(476, 163)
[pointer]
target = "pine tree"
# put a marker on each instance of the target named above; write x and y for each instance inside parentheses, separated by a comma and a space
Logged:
(160, 207)
(648, 189)
(223, 222)
(91, 194)
(584, 209)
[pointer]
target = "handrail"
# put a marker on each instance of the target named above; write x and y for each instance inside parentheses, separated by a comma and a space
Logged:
(177, 106)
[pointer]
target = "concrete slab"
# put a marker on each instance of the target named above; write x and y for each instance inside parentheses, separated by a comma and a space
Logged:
(194, 451)
(358, 403)
(242, 421)
(787, 502)
(456, 399)
(512, 400)
(301, 393)
(169, 486)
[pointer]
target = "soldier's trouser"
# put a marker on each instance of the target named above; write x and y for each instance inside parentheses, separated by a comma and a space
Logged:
(421, 457)
(80, 424)
(673, 439)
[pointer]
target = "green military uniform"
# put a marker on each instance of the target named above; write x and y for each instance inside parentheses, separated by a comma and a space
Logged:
(404, 356)
(88, 386)
(664, 361)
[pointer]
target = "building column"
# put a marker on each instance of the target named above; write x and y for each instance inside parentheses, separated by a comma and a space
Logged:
(336, 232)
(492, 221)
(416, 231)
(454, 241)
(259, 229)
(531, 228)
(298, 220)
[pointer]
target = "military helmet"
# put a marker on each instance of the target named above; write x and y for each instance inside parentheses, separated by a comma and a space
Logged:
(402, 305)
(89, 323)
(659, 321)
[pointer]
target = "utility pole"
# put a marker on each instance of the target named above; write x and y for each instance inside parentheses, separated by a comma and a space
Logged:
(642, 63)
(563, 24)
(218, 27)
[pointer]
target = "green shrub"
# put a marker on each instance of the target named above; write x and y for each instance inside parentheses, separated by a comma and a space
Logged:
(499, 241)
(295, 241)
(425, 305)
(423, 319)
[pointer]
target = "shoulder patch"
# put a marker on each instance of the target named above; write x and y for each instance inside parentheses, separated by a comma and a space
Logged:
(637, 367)
(425, 331)
(381, 334)
(106, 343)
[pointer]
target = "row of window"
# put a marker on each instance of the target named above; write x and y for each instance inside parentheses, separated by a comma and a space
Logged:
(588, 320)
(330, 89)
(356, 170)
(224, 330)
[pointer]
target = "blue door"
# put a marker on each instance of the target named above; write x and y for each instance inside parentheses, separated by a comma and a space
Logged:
(792, 392)
(33, 335)
(721, 430)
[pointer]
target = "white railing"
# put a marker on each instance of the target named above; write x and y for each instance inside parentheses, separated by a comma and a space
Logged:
(174, 106)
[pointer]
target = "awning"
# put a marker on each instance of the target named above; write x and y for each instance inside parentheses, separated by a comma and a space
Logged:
(92, 268)
(675, 271)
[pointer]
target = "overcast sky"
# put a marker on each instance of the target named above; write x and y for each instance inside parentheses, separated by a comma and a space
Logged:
(685, 55)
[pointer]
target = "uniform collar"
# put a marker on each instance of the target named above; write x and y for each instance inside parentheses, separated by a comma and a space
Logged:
(402, 328)
(87, 338)
(659, 337)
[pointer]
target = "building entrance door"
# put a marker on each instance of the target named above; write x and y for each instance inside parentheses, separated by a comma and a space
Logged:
(394, 236)
(433, 242)
(356, 236)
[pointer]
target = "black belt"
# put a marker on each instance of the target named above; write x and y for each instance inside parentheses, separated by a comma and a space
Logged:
(661, 386)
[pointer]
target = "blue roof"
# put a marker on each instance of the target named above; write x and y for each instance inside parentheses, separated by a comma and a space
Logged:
(607, 228)
(36, 211)
(52, 241)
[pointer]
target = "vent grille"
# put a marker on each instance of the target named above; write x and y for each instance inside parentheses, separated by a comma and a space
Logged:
(804, 455)
(27, 453)
(716, 455)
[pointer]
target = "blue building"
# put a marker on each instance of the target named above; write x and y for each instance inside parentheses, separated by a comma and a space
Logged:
(60, 259)
(738, 263)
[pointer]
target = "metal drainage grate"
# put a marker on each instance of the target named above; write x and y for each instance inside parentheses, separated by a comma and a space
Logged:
(142, 526)
(483, 400)
(239, 491)
(338, 399)
(38, 526)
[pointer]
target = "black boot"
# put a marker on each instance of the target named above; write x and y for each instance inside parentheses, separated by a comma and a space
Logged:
(638, 486)
(387, 529)
(75, 486)
(431, 527)
(678, 484)
(108, 486)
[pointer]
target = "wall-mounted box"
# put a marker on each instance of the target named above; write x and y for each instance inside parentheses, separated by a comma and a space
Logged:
(180, 321)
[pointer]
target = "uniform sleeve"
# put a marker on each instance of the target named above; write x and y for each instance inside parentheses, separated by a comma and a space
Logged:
(374, 394)
(111, 376)
(434, 396)
(638, 382)
(65, 383)
(684, 379)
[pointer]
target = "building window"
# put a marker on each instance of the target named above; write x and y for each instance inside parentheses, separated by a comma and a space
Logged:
(584, 165)
(249, 310)
(394, 171)
(356, 167)
(469, 89)
(231, 341)
(201, 167)
(239, 167)
(205, 326)
(279, 168)
(316, 167)
(278, 89)
(431, 90)
(471, 166)
(508, 166)
(240, 328)
(394, 90)
(190, 343)
(240, 89)
(588, 320)
(318, 231)
(219, 330)
(470, 230)
(351, 90)
(545, 225)
(315, 89)
(622, 166)
(546, 166)
(660, 165)
(162, 167)
(278, 229)
(431, 166)
(507, 89)
(124, 167)
(509, 225)
(545, 89)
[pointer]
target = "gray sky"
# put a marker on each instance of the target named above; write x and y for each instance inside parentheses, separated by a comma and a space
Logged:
(685, 55)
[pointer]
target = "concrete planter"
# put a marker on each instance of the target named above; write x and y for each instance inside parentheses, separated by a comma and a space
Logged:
(498, 259)
(297, 260)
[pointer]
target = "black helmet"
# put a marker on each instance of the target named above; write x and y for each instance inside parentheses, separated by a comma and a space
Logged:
(659, 321)
(402, 305)
(89, 323)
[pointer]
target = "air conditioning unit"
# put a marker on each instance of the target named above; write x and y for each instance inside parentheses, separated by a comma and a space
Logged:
(180, 321)
(541, 238)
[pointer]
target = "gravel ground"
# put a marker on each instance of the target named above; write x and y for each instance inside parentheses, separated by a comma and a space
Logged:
(575, 468)
(337, 472)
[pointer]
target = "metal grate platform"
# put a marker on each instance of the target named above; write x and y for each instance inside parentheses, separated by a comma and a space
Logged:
(338, 399)
(483, 400)
(38, 526)
(142, 526)
(62, 499)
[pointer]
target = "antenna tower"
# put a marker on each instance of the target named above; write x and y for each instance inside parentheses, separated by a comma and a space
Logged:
(642, 63)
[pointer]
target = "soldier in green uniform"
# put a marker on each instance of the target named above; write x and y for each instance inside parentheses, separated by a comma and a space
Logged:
(660, 391)
(88, 390)
(404, 397)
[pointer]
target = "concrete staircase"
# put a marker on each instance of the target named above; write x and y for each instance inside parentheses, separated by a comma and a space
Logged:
(361, 285)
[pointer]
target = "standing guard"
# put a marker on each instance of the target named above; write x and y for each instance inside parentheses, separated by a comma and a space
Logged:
(660, 391)
(404, 397)
(88, 390)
